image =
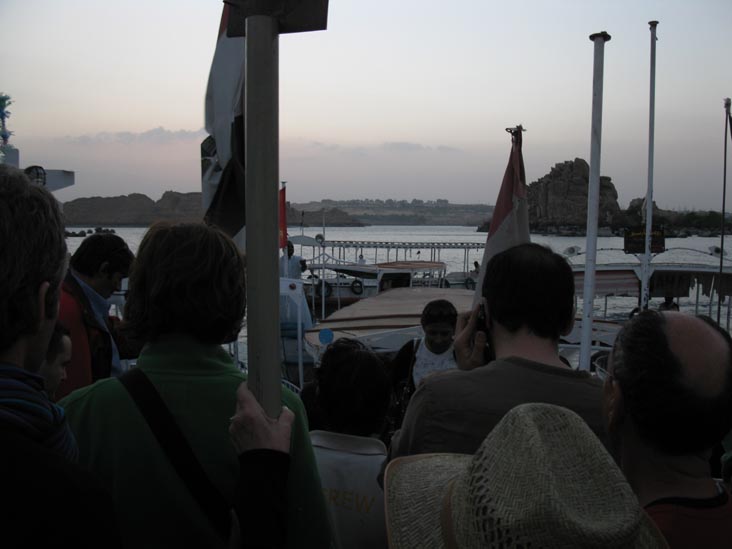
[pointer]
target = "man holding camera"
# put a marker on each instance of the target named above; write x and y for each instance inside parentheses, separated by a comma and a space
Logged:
(528, 304)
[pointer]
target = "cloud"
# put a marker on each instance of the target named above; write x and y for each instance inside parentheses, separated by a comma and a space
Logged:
(407, 147)
(157, 135)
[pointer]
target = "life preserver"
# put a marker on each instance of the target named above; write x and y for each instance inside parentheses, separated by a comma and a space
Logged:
(319, 289)
(470, 284)
(357, 287)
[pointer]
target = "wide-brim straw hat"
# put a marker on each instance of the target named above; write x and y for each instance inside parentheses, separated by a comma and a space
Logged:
(541, 478)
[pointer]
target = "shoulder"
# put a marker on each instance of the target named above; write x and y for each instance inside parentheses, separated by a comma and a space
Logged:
(104, 390)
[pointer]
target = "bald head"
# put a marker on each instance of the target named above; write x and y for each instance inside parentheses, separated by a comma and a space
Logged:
(675, 374)
(702, 350)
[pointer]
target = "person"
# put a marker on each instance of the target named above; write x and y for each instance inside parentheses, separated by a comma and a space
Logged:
(668, 402)
(53, 369)
(361, 260)
(187, 296)
(292, 266)
(476, 267)
(97, 269)
(528, 305)
(44, 491)
(668, 304)
(263, 445)
(540, 478)
(420, 357)
(352, 395)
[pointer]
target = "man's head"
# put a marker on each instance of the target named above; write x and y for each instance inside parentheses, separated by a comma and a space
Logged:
(290, 249)
(353, 388)
(32, 265)
(103, 260)
(529, 286)
(53, 369)
(187, 279)
(671, 376)
(438, 323)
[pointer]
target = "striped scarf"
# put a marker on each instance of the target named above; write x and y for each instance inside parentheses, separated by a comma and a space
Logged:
(26, 409)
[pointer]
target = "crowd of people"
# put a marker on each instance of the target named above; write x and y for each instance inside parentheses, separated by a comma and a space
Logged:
(479, 434)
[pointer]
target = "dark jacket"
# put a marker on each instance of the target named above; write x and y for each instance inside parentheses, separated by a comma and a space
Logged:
(50, 502)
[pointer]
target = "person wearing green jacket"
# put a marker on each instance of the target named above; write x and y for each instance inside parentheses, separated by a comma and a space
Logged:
(187, 296)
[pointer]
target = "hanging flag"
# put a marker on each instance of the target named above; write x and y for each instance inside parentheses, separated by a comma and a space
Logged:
(510, 222)
(222, 152)
(283, 218)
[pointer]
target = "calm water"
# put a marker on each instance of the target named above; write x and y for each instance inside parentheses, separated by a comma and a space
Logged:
(683, 250)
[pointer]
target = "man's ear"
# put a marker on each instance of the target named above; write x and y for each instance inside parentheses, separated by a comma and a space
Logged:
(43, 290)
(104, 270)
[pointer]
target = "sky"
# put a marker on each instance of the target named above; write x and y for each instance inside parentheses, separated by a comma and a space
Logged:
(398, 99)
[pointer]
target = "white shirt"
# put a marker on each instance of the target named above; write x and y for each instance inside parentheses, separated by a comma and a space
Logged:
(290, 266)
(426, 362)
(348, 467)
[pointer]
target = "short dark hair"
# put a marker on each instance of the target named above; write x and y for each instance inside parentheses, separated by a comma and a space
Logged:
(668, 414)
(55, 344)
(32, 251)
(530, 285)
(99, 248)
(437, 311)
(188, 279)
(353, 388)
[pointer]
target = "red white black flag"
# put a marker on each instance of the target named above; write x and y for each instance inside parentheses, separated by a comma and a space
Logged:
(222, 153)
(510, 222)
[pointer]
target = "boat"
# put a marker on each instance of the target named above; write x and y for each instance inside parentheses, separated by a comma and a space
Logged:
(385, 321)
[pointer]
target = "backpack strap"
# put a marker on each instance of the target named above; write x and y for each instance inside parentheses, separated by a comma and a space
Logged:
(176, 448)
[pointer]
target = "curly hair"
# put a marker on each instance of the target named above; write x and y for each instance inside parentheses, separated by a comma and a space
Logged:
(33, 251)
(187, 279)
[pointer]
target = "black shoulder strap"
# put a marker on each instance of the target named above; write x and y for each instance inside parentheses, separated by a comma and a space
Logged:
(179, 452)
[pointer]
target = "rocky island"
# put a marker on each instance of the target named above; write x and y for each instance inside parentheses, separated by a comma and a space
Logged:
(557, 204)
(138, 210)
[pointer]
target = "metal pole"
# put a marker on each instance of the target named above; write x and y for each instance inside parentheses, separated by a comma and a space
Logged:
(261, 104)
(727, 102)
(646, 265)
(593, 199)
(300, 369)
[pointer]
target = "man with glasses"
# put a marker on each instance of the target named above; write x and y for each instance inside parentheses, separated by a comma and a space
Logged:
(97, 269)
(667, 401)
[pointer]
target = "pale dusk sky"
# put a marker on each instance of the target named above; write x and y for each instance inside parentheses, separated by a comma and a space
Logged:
(397, 99)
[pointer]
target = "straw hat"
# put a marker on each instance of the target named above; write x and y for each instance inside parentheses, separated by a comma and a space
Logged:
(541, 478)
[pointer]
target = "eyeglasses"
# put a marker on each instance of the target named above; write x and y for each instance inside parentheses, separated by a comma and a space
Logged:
(601, 368)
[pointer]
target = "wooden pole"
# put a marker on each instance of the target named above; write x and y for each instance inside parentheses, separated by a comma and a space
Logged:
(261, 138)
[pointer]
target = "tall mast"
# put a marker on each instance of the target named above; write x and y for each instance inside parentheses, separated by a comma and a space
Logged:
(727, 102)
(646, 262)
(593, 198)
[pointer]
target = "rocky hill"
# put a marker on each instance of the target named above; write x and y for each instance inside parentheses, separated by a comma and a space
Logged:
(139, 210)
(558, 201)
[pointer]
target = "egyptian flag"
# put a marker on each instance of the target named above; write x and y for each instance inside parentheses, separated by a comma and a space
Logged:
(510, 222)
(222, 152)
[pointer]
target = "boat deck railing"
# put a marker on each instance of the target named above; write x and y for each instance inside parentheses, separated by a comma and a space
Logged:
(340, 249)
